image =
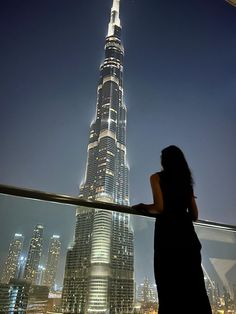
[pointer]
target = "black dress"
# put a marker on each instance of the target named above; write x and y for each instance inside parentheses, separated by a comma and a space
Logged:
(177, 258)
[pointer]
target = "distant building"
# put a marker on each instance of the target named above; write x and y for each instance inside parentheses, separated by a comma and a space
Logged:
(38, 299)
(34, 255)
(21, 268)
(99, 271)
(52, 261)
(19, 296)
(14, 296)
(40, 275)
(212, 290)
(234, 295)
(4, 298)
(147, 292)
(54, 302)
(10, 268)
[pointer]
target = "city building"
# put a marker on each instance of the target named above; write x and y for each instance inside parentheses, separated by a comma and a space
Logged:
(21, 268)
(234, 295)
(34, 255)
(40, 275)
(52, 261)
(147, 292)
(4, 297)
(38, 299)
(10, 269)
(20, 296)
(147, 300)
(14, 296)
(99, 271)
(54, 302)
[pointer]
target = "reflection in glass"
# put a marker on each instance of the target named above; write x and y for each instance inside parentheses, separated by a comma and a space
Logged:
(20, 216)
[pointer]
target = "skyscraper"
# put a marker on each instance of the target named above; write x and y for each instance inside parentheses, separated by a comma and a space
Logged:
(106, 175)
(22, 262)
(12, 262)
(40, 275)
(14, 296)
(99, 272)
(34, 255)
(20, 296)
(52, 261)
(147, 293)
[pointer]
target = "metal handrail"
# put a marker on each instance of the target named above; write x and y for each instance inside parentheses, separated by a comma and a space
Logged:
(71, 200)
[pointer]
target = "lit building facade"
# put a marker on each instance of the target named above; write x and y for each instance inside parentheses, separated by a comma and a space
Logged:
(52, 261)
(40, 275)
(146, 292)
(99, 272)
(20, 296)
(10, 268)
(14, 296)
(34, 255)
(38, 299)
(21, 268)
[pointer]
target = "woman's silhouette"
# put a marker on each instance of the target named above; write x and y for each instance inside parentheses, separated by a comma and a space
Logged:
(177, 259)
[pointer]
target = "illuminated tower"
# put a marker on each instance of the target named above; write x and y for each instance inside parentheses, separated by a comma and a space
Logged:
(147, 293)
(12, 262)
(34, 255)
(52, 261)
(99, 267)
(106, 176)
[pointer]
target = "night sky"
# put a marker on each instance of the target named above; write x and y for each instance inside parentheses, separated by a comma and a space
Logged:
(179, 85)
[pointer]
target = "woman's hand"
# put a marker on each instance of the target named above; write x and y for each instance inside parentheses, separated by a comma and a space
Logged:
(138, 206)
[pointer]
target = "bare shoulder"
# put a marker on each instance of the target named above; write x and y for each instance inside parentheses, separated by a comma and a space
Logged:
(155, 177)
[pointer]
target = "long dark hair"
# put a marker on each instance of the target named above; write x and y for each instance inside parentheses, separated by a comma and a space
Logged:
(175, 167)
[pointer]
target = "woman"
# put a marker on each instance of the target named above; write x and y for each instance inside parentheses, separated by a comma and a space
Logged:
(177, 259)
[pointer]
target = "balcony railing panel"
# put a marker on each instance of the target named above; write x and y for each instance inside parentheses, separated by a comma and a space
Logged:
(21, 210)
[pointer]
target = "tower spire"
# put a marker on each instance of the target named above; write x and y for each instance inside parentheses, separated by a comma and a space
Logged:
(114, 19)
(99, 272)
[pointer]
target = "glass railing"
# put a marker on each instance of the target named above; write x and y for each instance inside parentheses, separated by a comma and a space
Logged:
(61, 254)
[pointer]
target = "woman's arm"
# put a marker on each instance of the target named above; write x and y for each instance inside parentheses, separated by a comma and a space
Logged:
(193, 210)
(157, 206)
